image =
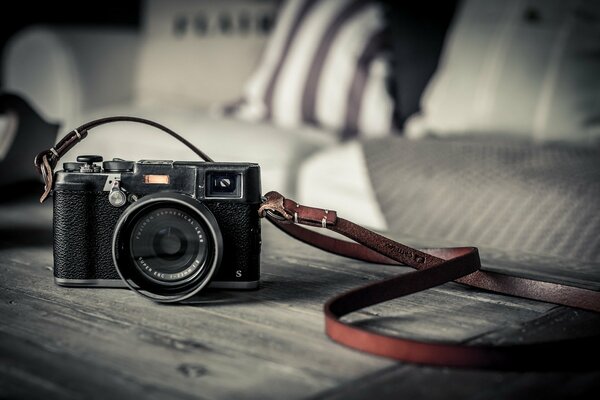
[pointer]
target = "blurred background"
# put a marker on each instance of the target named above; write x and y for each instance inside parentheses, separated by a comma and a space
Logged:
(408, 117)
(439, 123)
(60, 13)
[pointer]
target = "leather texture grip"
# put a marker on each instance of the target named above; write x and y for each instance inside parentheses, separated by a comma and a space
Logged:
(240, 228)
(83, 228)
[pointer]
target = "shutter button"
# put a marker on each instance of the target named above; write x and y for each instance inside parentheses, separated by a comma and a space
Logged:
(89, 165)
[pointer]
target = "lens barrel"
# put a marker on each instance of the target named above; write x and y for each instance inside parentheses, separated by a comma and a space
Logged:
(167, 246)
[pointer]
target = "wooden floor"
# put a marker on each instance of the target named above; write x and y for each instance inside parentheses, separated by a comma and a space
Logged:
(109, 343)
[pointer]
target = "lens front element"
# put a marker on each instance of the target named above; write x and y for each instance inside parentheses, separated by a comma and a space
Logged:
(167, 245)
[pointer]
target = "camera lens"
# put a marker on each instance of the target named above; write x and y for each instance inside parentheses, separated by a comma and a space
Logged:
(167, 246)
(169, 243)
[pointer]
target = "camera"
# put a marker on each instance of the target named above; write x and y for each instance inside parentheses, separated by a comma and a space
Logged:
(162, 228)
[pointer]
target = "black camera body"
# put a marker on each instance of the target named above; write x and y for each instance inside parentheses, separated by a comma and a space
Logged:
(165, 229)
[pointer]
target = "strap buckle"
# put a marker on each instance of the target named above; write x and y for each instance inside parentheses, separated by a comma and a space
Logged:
(272, 207)
(276, 216)
(279, 208)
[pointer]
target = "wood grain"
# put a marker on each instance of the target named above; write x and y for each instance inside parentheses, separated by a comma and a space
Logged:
(97, 343)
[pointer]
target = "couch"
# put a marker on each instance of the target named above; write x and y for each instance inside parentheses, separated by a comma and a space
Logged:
(489, 179)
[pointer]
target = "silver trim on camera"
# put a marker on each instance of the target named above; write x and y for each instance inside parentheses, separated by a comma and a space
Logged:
(110, 178)
(118, 283)
(106, 283)
(233, 285)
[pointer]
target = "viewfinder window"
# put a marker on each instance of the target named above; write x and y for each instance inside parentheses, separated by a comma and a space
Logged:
(223, 184)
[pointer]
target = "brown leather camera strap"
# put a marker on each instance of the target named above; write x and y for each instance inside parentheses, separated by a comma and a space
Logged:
(433, 267)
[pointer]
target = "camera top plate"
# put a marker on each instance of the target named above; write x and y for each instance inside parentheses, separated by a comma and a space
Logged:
(201, 180)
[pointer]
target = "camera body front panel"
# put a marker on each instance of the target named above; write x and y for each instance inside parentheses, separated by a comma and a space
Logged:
(88, 201)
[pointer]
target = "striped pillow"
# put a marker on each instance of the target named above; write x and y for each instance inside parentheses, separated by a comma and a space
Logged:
(325, 64)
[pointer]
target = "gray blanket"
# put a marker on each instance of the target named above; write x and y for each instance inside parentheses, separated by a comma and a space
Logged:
(496, 194)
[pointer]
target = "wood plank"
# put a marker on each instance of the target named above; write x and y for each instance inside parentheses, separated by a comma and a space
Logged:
(257, 341)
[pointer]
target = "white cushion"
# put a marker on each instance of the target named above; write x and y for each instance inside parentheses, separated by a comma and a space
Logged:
(186, 58)
(338, 179)
(61, 72)
(279, 152)
(527, 69)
